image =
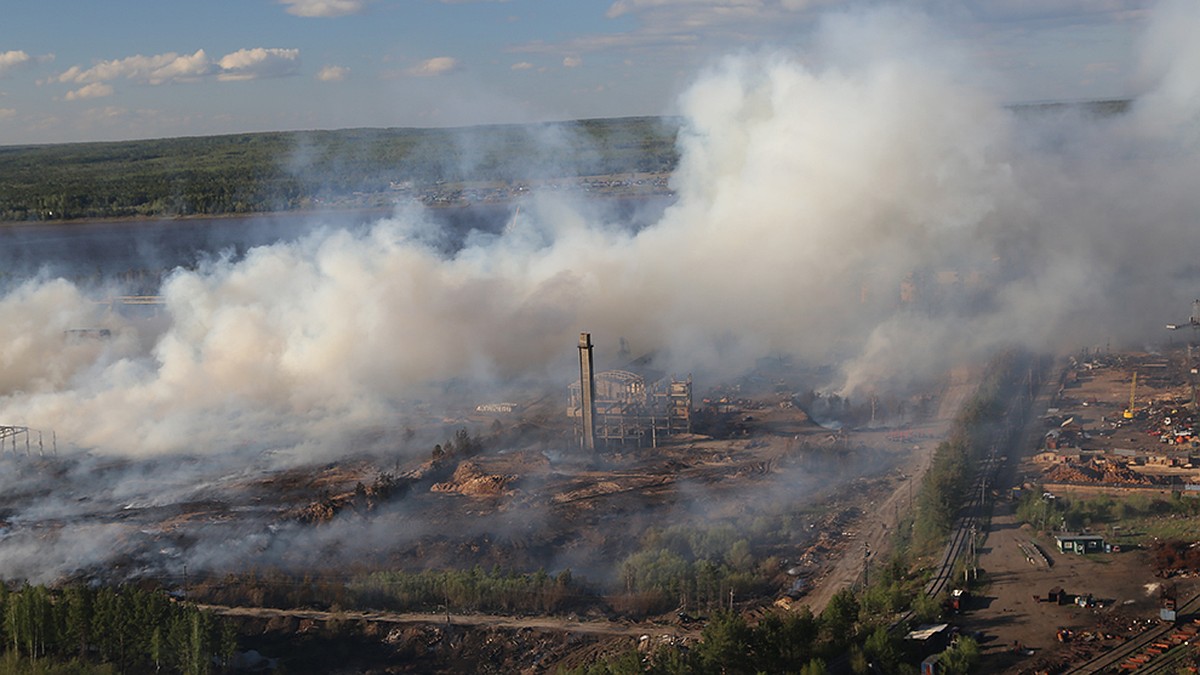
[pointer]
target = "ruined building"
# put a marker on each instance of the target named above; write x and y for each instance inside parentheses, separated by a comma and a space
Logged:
(617, 409)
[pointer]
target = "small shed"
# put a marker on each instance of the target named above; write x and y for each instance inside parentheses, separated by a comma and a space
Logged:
(931, 637)
(1079, 543)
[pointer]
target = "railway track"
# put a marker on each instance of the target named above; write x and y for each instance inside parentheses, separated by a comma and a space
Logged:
(1169, 661)
(960, 537)
(972, 512)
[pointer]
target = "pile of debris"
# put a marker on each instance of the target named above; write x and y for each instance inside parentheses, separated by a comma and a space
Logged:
(1174, 427)
(362, 500)
(470, 480)
(1098, 471)
(1176, 557)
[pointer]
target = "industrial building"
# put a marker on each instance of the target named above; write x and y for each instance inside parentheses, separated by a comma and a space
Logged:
(1079, 543)
(618, 409)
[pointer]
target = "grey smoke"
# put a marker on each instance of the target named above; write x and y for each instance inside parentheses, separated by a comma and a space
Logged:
(812, 187)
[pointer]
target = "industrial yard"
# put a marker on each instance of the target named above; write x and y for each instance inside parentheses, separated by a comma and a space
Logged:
(1075, 573)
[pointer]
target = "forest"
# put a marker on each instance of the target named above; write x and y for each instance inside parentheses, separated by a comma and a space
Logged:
(83, 629)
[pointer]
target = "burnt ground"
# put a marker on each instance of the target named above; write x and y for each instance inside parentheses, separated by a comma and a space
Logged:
(518, 498)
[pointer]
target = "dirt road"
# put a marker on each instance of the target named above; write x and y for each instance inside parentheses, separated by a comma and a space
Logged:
(613, 628)
(880, 519)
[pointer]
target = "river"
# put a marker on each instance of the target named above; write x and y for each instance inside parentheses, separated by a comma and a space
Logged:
(139, 252)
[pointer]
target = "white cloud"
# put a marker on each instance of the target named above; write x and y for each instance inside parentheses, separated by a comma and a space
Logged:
(523, 65)
(333, 74)
(7, 113)
(93, 90)
(13, 59)
(438, 65)
(621, 7)
(323, 8)
(733, 22)
(183, 68)
(106, 113)
(1071, 10)
(159, 69)
(244, 64)
(648, 40)
(258, 63)
(572, 61)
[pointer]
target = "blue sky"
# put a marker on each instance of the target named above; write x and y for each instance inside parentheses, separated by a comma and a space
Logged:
(83, 70)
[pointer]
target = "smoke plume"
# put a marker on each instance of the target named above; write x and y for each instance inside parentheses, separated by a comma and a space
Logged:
(876, 208)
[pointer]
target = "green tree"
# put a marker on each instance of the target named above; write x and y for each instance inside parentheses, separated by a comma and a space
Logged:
(884, 649)
(814, 667)
(723, 644)
(782, 640)
(78, 601)
(961, 658)
(840, 618)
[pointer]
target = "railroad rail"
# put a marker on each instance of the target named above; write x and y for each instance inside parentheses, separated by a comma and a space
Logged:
(964, 529)
(970, 514)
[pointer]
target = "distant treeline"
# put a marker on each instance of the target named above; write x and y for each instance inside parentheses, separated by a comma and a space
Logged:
(259, 172)
(284, 171)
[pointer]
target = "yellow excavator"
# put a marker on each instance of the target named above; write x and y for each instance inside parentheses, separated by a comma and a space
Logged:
(1131, 410)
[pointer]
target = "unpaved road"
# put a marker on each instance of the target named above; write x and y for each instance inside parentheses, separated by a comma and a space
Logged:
(879, 520)
(472, 620)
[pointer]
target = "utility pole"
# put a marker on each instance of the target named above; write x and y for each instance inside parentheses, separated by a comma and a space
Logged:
(974, 554)
(587, 392)
(866, 565)
(1191, 369)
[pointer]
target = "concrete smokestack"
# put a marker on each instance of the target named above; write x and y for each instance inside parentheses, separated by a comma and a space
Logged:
(587, 391)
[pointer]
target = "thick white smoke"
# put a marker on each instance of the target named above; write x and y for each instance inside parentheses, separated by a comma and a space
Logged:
(874, 207)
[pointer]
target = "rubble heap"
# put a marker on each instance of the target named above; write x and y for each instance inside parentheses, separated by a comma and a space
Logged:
(1098, 471)
(470, 480)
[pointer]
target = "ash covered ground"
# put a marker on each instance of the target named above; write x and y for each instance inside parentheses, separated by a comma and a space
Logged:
(508, 490)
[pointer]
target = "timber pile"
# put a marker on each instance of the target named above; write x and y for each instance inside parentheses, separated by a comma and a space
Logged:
(470, 480)
(1097, 472)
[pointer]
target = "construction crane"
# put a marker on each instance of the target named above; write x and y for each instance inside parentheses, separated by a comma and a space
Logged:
(1131, 410)
(1194, 323)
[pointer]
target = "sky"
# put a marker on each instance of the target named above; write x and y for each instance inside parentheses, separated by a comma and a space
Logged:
(72, 70)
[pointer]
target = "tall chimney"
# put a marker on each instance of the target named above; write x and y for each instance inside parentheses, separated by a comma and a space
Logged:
(587, 391)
